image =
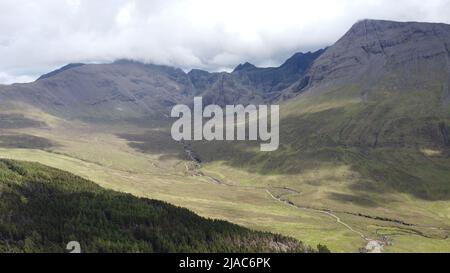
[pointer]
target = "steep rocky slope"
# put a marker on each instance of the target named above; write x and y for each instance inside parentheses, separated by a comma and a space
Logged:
(378, 102)
(386, 55)
(128, 89)
(123, 89)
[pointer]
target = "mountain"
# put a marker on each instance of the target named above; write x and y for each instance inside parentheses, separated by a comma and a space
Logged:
(42, 209)
(123, 89)
(374, 53)
(383, 85)
(380, 92)
(244, 67)
(364, 134)
(62, 69)
(364, 137)
(400, 72)
(279, 78)
(129, 89)
(250, 84)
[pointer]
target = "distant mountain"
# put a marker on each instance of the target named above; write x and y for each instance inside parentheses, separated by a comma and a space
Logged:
(365, 123)
(371, 55)
(62, 69)
(397, 78)
(244, 67)
(374, 53)
(250, 84)
(123, 89)
(129, 89)
(378, 102)
(279, 78)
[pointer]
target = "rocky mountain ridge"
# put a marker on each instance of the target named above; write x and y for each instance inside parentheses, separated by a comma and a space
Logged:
(373, 55)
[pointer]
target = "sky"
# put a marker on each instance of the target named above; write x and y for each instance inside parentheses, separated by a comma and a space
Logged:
(39, 36)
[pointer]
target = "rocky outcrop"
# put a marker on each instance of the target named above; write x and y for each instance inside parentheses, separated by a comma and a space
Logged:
(373, 55)
(130, 89)
(386, 55)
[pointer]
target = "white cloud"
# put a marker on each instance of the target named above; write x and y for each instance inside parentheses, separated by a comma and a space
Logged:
(10, 79)
(37, 36)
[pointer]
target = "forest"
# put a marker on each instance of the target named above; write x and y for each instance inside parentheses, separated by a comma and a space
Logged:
(42, 209)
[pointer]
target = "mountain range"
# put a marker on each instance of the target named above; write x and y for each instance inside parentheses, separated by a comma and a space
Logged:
(364, 137)
(132, 89)
(369, 54)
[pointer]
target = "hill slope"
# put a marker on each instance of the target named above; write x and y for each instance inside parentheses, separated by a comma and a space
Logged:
(377, 54)
(129, 90)
(365, 132)
(42, 209)
(380, 92)
(364, 135)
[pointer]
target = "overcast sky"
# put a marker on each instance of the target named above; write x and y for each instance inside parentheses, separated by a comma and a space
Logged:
(39, 36)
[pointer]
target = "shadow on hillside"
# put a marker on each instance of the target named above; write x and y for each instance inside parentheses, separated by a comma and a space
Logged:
(328, 138)
(156, 142)
(25, 141)
(18, 121)
(46, 208)
(13, 140)
(363, 200)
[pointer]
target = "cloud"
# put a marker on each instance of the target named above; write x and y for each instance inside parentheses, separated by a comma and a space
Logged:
(38, 36)
(10, 79)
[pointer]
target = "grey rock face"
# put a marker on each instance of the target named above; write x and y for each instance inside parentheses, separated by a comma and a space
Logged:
(383, 54)
(374, 55)
(250, 84)
(110, 91)
(128, 89)
(244, 67)
(62, 69)
(277, 78)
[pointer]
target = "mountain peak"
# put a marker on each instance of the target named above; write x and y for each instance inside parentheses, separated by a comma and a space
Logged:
(127, 62)
(372, 50)
(62, 69)
(379, 22)
(244, 67)
(368, 26)
(302, 60)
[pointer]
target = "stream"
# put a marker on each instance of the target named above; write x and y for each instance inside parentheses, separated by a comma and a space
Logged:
(372, 246)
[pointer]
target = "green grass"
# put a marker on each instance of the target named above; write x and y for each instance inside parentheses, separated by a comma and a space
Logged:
(42, 209)
(382, 157)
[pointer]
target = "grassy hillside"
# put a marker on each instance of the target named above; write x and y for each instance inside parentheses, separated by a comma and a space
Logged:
(42, 209)
(378, 161)
(144, 161)
(384, 156)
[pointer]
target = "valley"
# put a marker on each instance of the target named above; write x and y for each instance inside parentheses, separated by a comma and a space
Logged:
(220, 191)
(44, 208)
(363, 163)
